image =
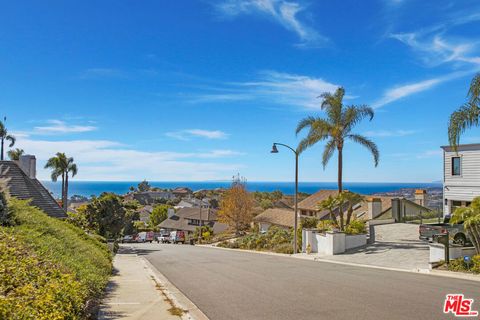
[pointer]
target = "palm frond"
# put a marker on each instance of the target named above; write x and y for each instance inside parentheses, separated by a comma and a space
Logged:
(328, 152)
(367, 143)
(464, 118)
(312, 138)
(12, 140)
(304, 123)
(354, 114)
(474, 90)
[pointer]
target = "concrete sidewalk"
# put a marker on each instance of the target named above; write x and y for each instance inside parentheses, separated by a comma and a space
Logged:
(134, 293)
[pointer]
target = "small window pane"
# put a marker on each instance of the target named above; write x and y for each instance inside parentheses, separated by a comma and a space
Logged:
(456, 166)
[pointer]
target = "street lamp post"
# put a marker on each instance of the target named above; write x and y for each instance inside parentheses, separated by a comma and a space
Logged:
(275, 150)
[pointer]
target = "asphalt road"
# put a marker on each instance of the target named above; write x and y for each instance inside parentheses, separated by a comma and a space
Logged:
(241, 285)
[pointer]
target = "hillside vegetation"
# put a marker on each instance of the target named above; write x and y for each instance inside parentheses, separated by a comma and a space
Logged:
(49, 269)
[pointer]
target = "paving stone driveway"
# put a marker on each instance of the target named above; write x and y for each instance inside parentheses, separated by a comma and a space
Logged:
(396, 246)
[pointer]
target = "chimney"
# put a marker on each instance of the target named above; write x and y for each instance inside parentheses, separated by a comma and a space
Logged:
(421, 197)
(170, 212)
(28, 164)
(374, 206)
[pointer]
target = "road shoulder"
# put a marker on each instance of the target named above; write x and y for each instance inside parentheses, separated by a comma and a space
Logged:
(133, 292)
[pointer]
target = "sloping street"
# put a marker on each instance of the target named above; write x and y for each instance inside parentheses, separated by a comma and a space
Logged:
(241, 285)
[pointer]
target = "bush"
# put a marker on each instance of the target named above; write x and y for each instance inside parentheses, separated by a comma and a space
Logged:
(461, 266)
(356, 227)
(67, 268)
(276, 239)
(326, 225)
(7, 217)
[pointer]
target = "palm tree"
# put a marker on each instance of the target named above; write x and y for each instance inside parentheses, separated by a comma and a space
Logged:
(62, 166)
(336, 128)
(15, 154)
(330, 204)
(350, 199)
(466, 116)
(5, 136)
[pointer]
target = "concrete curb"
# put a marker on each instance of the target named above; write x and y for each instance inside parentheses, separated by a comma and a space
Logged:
(173, 293)
(438, 273)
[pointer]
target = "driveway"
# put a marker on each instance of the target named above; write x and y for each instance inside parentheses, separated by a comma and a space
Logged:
(396, 246)
(228, 284)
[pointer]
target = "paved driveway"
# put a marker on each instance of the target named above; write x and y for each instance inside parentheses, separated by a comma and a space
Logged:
(228, 284)
(397, 246)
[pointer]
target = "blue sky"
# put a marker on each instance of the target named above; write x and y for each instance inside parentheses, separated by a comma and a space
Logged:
(199, 90)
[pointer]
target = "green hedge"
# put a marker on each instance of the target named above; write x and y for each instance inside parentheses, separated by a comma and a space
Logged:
(51, 270)
(275, 239)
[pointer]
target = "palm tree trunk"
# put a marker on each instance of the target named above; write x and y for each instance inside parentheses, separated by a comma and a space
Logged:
(65, 201)
(340, 168)
(63, 188)
(2, 149)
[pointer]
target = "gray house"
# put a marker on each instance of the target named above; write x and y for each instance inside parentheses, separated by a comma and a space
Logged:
(461, 176)
(21, 181)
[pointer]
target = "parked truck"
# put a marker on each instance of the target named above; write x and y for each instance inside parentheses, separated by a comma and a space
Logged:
(456, 231)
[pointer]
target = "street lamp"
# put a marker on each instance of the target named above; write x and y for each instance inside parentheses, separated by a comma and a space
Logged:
(275, 150)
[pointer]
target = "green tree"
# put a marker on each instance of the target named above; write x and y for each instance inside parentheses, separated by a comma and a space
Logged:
(144, 186)
(158, 215)
(266, 204)
(4, 136)
(335, 129)
(348, 199)
(330, 204)
(105, 214)
(466, 116)
(471, 218)
(15, 154)
(62, 166)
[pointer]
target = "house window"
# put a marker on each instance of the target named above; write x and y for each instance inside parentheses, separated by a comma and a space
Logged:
(456, 166)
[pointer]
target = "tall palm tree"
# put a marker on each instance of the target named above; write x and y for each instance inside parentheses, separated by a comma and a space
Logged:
(62, 166)
(335, 129)
(5, 136)
(466, 116)
(15, 154)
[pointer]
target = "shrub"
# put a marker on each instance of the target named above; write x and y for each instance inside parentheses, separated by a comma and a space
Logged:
(7, 216)
(326, 225)
(461, 266)
(33, 287)
(72, 267)
(276, 239)
(356, 227)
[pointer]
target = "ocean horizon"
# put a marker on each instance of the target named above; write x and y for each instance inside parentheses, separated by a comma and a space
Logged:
(90, 188)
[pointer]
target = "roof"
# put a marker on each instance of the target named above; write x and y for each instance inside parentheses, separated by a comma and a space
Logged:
(277, 216)
(462, 147)
(311, 202)
(195, 213)
(23, 187)
(363, 208)
(180, 220)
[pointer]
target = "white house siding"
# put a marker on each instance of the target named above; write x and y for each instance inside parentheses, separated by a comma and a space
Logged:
(466, 186)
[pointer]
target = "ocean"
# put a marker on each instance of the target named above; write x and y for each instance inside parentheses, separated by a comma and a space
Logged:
(89, 188)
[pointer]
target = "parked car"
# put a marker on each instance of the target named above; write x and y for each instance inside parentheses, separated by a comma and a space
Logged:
(128, 239)
(141, 237)
(150, 236)
(456, 231)
(177, 237)
(163, 237)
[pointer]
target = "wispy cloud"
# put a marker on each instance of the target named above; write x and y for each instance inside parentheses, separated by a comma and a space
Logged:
(111, 160)
(389, 133)
(286, 13)
(430, 154)
(271, 86)
(191, 133)
(61, 127)
(402, 91)
(435, 49)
